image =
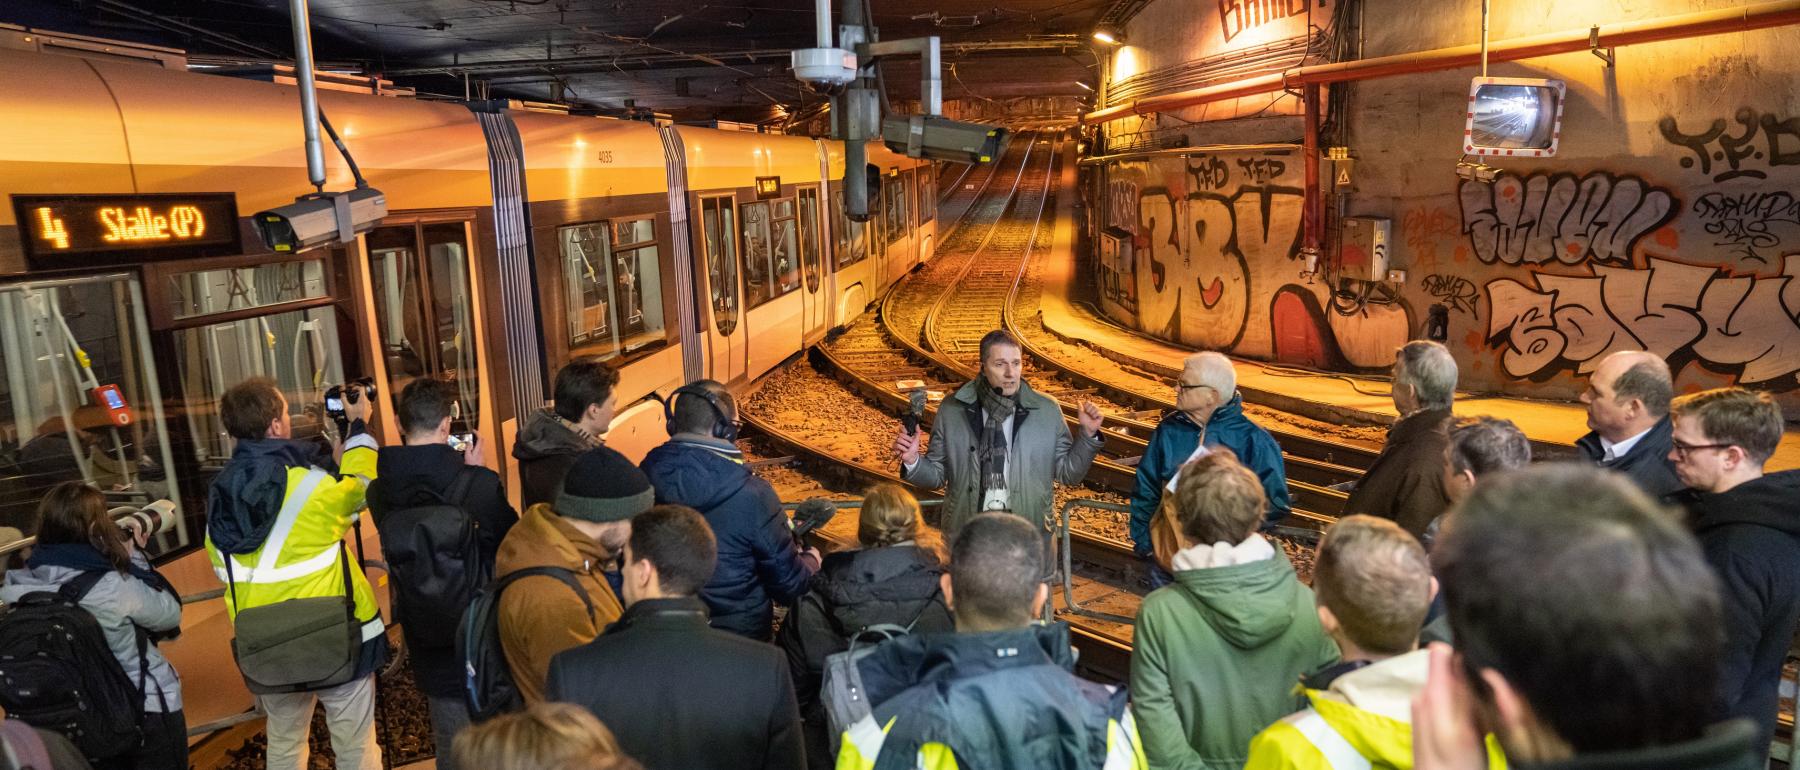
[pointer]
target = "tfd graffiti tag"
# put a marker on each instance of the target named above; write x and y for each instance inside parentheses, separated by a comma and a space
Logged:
(1673, 310)
(1547, 217)
(1780, 145)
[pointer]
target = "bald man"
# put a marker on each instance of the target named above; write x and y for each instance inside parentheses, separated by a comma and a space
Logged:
(1627, 402)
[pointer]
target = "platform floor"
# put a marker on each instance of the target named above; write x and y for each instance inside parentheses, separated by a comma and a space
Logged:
(1345, 399)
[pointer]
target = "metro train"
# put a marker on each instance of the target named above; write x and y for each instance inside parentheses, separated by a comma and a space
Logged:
(133, 292)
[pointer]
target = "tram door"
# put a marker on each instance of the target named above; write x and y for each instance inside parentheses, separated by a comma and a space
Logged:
(815, 300)
(425, 321)
(728, 344)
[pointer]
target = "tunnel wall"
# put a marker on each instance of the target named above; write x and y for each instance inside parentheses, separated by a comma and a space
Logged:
(1668, 220)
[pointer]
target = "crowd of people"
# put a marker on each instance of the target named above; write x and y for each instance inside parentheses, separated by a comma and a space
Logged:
(1470, 610)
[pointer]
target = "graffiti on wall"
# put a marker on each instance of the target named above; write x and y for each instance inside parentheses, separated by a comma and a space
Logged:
(1122, 206)
(1237, 16)
(1765, 142)
(1456, 292)
(1216, 231)
(1749, 224)
(1557, 217)
(1747, 323)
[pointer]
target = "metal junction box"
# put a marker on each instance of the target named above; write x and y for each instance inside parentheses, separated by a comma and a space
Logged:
(1363, 248)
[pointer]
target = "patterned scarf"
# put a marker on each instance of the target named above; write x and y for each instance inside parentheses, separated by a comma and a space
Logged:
(991, 448)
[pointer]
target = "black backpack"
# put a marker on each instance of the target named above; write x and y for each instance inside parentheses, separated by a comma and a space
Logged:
(488, 688)
(433, 552)
(58, 673)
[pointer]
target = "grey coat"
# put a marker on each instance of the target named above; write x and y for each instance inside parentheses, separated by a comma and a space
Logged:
(118, 601)
(1042, 452)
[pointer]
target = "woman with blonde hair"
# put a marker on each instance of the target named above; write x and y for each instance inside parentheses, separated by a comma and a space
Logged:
(543, 737)
(891, 582)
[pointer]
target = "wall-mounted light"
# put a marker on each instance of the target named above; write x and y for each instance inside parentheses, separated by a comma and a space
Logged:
(1084, 86)
(1476, 171)
(1109, 35)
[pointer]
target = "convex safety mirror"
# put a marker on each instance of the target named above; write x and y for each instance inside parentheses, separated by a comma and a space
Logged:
(1514, 116)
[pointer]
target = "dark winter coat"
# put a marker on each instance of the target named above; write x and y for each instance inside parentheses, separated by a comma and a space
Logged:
(1000, 700)
(1042, 452)
(1647, 463)
(1406, 482)
(417, 475)
(1174, 441)
(1751, 536)
(545, 448)
(1730, 746)
(681, 696)
(759, 564)
(854, 590)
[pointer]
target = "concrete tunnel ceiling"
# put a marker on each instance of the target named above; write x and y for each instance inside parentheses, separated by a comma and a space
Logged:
(723, 59)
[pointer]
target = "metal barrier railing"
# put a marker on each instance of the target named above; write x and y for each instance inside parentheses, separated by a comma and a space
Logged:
(1068, 558)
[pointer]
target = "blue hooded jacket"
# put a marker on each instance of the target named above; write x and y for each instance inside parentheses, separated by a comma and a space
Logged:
(758, 564)
(1175, 439)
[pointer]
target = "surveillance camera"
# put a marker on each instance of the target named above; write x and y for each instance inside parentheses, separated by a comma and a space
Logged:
(320, 218)
(929, 136)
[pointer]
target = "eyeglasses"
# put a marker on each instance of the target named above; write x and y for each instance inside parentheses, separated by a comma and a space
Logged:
(1682, 449)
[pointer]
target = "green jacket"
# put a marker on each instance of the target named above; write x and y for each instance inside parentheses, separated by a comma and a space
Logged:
(1217, 658)
(1042, 452)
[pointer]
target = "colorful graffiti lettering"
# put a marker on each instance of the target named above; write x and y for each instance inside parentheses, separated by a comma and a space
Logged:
(1746, 323)
(1236, 16)
(1747, 222)
(1457, 292)
(1737, 152)
(1545, 217)
(1205, 238)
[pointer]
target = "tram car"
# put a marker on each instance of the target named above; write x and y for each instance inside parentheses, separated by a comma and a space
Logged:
(133, 290)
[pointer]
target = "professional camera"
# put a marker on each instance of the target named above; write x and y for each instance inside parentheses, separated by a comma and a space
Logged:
(318, 219)
(350, 392)
(937, 138)
(141, 524)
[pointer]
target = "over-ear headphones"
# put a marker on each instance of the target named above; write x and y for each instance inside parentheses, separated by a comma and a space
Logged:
(723, 428)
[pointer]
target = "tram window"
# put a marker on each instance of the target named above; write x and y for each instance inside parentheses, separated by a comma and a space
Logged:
(60, 341)
(297, 349)
(927, 194)
(204, 292)
(613, 286)
(851, 236)
(424, 308)
(878, 234)
(896, 205)
(758, 282)
(809, 238)
(720, 232)
(784, 251)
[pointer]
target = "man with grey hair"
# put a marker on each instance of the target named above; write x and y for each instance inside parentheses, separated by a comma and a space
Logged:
(1406, 482)
(1209, 412)
(1627, 401)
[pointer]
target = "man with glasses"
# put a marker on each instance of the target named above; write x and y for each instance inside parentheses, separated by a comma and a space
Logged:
(1627, 401)
(1748, 524)
(1209, 412)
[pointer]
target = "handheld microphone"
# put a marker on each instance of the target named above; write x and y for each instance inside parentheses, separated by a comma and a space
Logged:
(915, 412)
(811, 514)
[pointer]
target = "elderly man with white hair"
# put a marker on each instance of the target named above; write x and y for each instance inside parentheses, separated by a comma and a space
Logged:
(1209, 412)
(1406, 482)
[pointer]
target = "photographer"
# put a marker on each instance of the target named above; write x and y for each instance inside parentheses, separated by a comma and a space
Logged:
(449, 507)
(79, 546)
(275, 525)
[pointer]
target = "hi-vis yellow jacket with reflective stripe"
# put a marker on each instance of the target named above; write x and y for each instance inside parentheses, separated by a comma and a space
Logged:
(863, 741)
(1362, 722)
(300, 558)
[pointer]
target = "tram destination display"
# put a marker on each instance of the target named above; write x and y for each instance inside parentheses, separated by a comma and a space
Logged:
(63, 231)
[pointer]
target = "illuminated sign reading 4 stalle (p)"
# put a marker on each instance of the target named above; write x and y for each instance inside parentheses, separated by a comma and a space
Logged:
(126, 227)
